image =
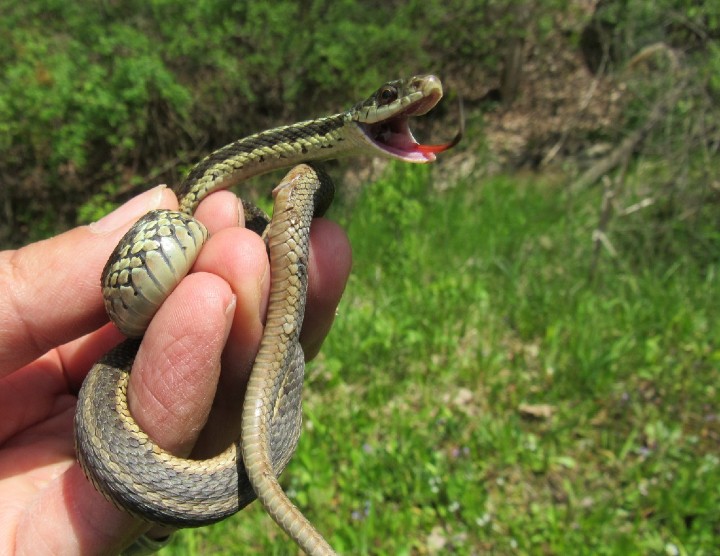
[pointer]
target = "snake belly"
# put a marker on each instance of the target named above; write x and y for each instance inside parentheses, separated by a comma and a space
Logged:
(123, 463)
(126, 465)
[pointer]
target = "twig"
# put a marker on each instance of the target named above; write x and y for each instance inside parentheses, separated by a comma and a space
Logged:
(599, 235)
(552, 153)
(630, 143)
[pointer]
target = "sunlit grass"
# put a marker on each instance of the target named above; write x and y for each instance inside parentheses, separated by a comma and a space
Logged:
(466, 306)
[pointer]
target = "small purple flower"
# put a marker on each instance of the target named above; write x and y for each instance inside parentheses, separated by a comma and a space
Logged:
(361, 515)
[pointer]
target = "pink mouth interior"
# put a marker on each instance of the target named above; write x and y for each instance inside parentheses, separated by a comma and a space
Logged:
(395, 138)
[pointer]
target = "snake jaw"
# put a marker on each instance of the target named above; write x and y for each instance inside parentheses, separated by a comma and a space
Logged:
(394, 139)
(391, 134)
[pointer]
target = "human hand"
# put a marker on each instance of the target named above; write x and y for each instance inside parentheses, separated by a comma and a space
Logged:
(53, 328)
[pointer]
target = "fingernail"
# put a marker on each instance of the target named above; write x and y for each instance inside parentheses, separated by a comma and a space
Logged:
(134, 208)
(241, 214)
(230, 314)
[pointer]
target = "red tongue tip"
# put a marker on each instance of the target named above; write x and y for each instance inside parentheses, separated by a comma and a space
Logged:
(427, 149)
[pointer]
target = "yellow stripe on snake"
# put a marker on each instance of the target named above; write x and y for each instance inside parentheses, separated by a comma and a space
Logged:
(123, 463)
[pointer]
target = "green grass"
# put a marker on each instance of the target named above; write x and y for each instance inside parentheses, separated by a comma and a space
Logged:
(465, 304)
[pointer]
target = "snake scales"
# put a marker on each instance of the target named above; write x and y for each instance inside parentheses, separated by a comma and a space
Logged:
(123, 463)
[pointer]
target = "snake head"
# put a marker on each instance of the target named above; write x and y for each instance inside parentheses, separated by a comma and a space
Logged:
(384, 118)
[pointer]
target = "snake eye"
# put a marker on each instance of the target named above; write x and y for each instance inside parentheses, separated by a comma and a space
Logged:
(387, 94)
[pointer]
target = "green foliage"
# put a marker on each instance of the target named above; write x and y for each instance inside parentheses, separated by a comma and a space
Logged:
(94, 92)
(71, 104)
(630, 25)
(97, 206)
(666, 56)
(713, 69)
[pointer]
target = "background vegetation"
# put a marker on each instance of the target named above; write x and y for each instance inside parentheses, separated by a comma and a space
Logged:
(526, 359)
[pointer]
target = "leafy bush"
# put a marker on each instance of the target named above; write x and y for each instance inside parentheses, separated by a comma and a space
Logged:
(95, 95)
(99, 100)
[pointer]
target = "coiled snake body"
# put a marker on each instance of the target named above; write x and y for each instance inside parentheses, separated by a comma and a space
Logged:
(117, 456)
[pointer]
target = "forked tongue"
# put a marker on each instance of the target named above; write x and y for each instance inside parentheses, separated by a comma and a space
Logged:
(434, 149)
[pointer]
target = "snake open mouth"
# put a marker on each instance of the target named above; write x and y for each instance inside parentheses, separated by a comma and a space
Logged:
(394, 137)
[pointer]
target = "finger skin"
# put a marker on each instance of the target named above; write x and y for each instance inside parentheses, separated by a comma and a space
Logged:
(170, 393)
(176, 370)
(330, 265)
(235, 255)
(219, 211)
(50, 289)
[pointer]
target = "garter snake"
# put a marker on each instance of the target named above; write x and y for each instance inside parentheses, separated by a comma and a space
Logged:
(123, 463)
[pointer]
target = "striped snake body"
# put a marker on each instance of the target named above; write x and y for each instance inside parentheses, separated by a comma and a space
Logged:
(123, 463)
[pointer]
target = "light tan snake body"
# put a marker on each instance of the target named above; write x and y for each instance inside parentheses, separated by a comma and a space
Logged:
(117, 456)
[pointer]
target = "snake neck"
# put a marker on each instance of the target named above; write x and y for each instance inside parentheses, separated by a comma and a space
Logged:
(281, 147)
